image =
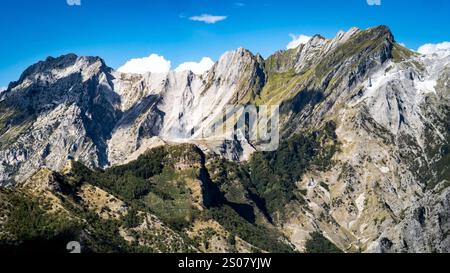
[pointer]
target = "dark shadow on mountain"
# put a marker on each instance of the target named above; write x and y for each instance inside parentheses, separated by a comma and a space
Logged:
(261, 205)
(298, 109)
(131, 115)
(301, 101)
(55, 245)
(214, 197)
(97, 102)
(99, 117)
(61, 62)
(244, 210)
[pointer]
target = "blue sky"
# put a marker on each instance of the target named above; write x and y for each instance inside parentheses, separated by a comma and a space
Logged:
(118, 30)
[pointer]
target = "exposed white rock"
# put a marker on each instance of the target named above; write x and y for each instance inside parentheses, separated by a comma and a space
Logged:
(391, 118)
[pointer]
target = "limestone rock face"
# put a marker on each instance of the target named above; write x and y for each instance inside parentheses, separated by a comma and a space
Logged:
(179, 106)
(387, 190)
(391, 108)
(77, 108)
(63, 108)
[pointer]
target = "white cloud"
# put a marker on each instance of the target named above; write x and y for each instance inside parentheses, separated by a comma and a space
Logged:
(3, 89)
(297, 40)
(441, 48)
(208, 18)
(198, 68)
(73, 2)
(374, 2)
(153, 63)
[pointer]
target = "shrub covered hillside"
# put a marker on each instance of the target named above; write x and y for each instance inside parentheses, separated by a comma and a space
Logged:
(171, 199)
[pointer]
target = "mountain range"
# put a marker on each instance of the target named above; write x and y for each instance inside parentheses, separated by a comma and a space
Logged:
(119, 162)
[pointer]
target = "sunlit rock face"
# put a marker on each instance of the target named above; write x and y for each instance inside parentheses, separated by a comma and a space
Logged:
(387, 190)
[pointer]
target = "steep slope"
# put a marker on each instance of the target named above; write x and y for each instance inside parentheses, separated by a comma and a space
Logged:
(77, 108)
(166, 201)
(363, 160)
(179, 107)
(61, 108)
(391, 110)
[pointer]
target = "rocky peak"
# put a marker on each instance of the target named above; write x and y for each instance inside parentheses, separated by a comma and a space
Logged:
(50, 63)
(317, 40)
(232, 61)
(382, 30)
(63, 80)
(341, 37)
(56, 68)
(241, 71)
(385, 108)
(345, 45)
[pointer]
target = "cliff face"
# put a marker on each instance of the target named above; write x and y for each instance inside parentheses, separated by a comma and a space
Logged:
(59, 109)
(391, 110)
(384, 187)
(77, 108)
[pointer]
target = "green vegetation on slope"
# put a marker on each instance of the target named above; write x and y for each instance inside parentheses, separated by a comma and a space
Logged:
(28, 225)
(400, 53)
(274, 174)
(154, 184)
(258, 235)
(283, 86)
(319, 244)
(166, 182)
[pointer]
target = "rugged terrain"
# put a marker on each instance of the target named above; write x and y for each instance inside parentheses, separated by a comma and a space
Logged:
(362, 165)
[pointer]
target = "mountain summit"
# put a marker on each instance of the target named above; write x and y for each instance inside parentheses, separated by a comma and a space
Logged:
(362, 160)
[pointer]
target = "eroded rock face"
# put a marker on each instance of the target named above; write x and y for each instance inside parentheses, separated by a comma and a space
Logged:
(423, 229)
(388, 182)
(387, 190)
(59, 109)
(77, 108)
(179, 107)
